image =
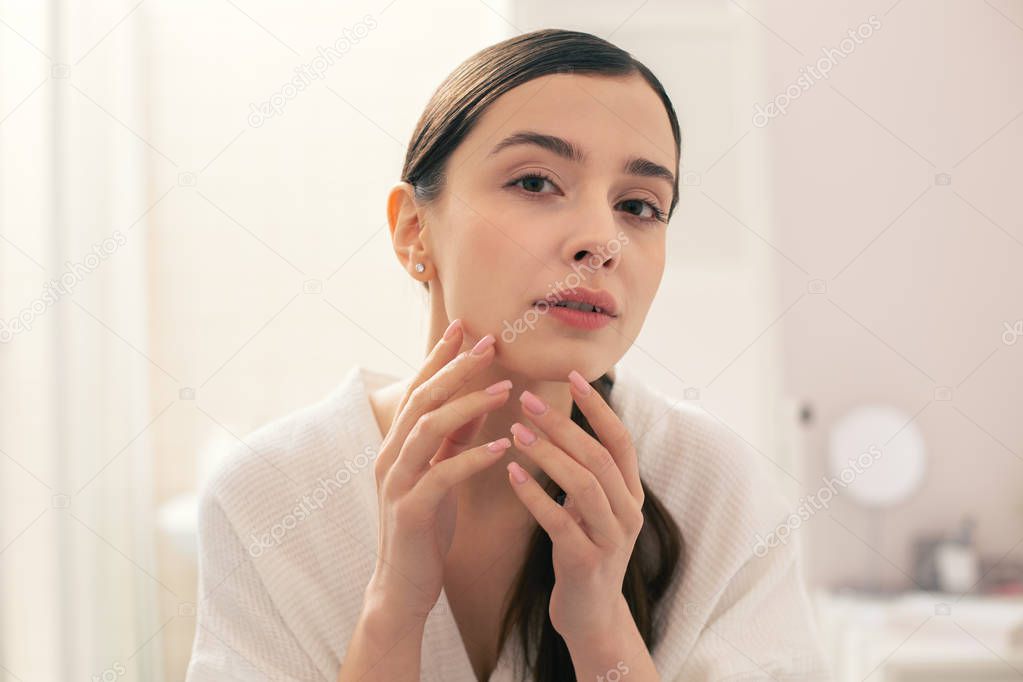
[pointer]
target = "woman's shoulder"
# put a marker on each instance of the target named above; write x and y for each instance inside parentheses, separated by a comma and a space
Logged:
(677, 436)
(734, 592)
(328, 444)
(710, 478)
(287, 525)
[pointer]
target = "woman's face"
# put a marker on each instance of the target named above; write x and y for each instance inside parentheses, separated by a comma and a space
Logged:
(518, 222)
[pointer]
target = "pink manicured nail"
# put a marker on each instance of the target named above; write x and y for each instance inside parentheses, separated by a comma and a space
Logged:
(579, 382)
(526, 436)
(452, 328)
(482, 345)
(516, 472)
(533, 403)
(499, 387)
(499, 445)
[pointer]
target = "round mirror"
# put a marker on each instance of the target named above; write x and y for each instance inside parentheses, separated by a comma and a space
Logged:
(877, 452)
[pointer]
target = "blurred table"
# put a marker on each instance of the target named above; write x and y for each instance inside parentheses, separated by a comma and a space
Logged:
(921, 636)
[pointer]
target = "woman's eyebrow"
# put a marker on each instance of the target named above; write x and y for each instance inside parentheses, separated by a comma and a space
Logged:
(565, 149)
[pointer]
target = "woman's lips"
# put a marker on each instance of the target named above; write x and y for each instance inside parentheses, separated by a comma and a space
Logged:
(577, 318)
(595, 298)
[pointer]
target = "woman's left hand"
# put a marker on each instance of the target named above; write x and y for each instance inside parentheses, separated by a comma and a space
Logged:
(593, 535)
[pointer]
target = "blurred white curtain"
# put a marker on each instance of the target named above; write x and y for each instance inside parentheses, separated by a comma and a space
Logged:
(77, 576)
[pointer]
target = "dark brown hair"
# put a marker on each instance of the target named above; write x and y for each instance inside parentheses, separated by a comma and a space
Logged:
(450, 115)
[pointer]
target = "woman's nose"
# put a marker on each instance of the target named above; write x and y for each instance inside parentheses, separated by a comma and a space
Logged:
(596, 244)
(597, 258)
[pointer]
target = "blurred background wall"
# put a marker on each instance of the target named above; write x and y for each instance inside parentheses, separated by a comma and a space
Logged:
(178, 265)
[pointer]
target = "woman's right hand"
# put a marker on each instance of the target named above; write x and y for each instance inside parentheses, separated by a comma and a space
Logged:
(419, 463)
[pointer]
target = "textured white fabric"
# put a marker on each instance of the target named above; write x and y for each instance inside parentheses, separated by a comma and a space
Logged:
(288, 530)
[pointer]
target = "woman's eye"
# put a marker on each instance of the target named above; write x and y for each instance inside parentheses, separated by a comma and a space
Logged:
(533, 184)
(643, 209)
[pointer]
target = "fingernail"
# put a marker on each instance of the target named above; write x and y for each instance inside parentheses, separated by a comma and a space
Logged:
(579, 382)
(526, 436)
(517, 474)
(533, 403)
(452, 328)
(482, 345)
(499, 387)
(499, 445)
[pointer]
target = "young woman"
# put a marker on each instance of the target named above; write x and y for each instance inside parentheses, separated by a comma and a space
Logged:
(591, 528)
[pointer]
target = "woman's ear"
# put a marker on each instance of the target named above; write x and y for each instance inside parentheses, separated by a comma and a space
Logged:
(404, 218)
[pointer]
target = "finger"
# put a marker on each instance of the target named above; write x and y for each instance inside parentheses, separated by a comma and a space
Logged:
(578, 483)
(581, 446)
(458, 439)
(610, 430)
(569, 506)
(432, 429)
(432, 487)
(557, 522)
(441, 354)
(439, 388)
(442, 384)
